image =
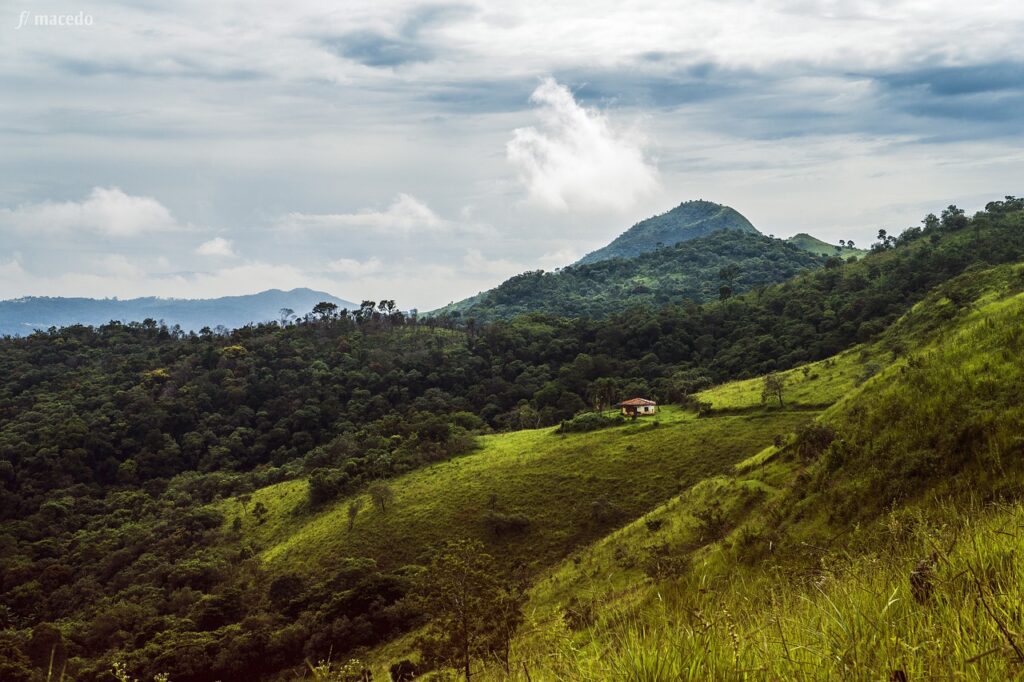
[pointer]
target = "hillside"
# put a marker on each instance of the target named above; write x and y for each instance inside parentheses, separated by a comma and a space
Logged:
(806, 561)
(24, 315)
(700, 270)
(181, 502)
(689, 220)
(814, 245)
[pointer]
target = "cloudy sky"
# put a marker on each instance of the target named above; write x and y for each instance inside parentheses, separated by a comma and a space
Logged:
(426, 151)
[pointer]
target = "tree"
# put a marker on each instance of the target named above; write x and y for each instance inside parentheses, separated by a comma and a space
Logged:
(260, 511)
(773, 386)
(354, 508)
(472, 612)
(526, 416)
(603, 393)
(325, 310)
(381, 494)
(286, 315)
(366, 310)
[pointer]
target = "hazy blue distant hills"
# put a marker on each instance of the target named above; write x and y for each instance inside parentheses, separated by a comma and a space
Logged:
(689, 220)
(22, 316)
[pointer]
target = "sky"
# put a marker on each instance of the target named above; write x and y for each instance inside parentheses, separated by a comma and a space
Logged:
(427, 151)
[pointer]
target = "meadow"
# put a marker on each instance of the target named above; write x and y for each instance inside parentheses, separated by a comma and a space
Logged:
(571, 488)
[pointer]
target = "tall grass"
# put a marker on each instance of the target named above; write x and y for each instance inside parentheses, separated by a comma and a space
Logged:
(942, 599)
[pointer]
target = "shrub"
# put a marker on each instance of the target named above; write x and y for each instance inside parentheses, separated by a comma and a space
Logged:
(660, 563)
(403, 671)
(813, 439)
(751, 545)
(602, 510)
(654, 525)
(589, 421)
(500, 525)
(325, 485)
(711, 522)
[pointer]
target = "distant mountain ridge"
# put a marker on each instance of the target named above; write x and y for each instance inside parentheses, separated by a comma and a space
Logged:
(22, 316)
(689, 220)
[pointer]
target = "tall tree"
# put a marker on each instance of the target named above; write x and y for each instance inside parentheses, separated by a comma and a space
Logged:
(381, 494)
(473, 613)
(774, 384)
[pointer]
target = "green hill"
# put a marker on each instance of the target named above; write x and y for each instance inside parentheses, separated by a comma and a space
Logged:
(695, 270)
(181, 503)
(883, 538)
(816, 246)
(689, 220)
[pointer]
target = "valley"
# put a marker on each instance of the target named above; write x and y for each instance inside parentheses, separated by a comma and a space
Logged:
(278, 500)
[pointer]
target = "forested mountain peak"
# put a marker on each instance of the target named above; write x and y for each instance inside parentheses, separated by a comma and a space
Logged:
(689, 220)
(708, 268)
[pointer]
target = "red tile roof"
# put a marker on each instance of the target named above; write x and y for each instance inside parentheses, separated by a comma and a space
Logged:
(636, 402)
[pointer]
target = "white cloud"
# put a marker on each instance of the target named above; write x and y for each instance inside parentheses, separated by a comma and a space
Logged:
(107, 210)
(353, 268)
(218, 246)
(474, 262)
(578, 160)
(405, 214)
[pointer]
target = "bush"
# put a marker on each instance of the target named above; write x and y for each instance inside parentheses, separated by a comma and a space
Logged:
(603, 511)
(403, 671)
(711, 522)
(326, 485)
(654, 525)
(660, 563)
(813, 439)
(500, 525)
(589, 421)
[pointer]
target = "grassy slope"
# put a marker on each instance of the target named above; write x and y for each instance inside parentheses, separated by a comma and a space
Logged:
(552, 479)
(845, 609)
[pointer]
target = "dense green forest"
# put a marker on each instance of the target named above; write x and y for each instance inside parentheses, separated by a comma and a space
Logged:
(704, 269)
(119, 443)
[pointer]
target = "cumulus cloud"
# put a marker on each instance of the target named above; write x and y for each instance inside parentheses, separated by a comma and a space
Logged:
(218, 247)
(577, 159)
(107, 210)
(405, 214)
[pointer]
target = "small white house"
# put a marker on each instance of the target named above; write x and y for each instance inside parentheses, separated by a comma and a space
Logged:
(638, 406)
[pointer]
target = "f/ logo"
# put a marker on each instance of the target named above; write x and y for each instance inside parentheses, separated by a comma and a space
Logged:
(23, 18)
